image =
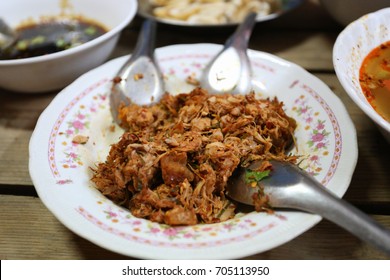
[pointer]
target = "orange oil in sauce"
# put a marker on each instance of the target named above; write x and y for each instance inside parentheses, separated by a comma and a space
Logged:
(374, 77)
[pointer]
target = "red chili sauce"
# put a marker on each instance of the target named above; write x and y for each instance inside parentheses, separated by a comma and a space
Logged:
(374, 77)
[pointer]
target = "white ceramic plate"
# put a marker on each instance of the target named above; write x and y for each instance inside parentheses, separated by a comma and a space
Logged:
(60, 170)
(145, 9)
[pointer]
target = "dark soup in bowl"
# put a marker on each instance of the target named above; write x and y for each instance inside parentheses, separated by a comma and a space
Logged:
(52, 35)
(374, 79)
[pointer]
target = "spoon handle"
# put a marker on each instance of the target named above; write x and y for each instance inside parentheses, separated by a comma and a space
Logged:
(312, 197)
(6, 29)
(146, 40)
(7, 35)
(240, 38)
(230, 70)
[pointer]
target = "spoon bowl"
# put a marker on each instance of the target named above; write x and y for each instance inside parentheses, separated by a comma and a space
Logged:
(288, 186)
(230, 71)
(139, 80)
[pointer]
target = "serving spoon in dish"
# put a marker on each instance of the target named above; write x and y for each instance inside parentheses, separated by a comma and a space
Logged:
(288, 186)
(139, 80)
(230, 70)
(7, 35)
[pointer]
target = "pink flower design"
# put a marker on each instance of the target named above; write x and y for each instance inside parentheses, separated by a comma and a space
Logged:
(320, 126)
(281, 217)
(154, 230)
(320, 145)
(188, 235)
(309, 120)
(170, 231)
(65, 181)
(314, 158)
(73, 155)
(78, 124)
(80, 116)
(228, 226)
(241, 226)
(197, 65)
(318, 137)
(112, 214)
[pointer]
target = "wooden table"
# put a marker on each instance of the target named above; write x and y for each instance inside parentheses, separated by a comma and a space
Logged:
(305, 36)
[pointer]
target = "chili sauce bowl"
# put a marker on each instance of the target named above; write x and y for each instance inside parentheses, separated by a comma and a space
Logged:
(55, 70)
(352, 46)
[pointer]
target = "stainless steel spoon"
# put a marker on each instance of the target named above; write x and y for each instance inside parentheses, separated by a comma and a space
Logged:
(139, 80)
(288, 186)
(230, 71)
(7, 35)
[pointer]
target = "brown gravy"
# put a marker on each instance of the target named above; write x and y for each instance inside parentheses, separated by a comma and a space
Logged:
(52, 36)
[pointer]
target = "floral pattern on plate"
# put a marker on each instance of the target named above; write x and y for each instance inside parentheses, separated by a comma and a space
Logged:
(77, 121)
(83, 109)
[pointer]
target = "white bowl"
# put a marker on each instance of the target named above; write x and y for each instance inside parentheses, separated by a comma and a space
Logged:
(346, 11)
(351, 47)
(56, 70)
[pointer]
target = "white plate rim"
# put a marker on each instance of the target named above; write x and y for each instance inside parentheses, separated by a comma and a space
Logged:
(308, 220)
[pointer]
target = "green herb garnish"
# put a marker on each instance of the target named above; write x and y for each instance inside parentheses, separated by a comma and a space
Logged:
(253, 177)
(22, 45)
(90, 31)
(37, 40)
(61, 43)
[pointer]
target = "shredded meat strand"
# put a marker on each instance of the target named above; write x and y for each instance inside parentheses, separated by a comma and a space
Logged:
(174, 160)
